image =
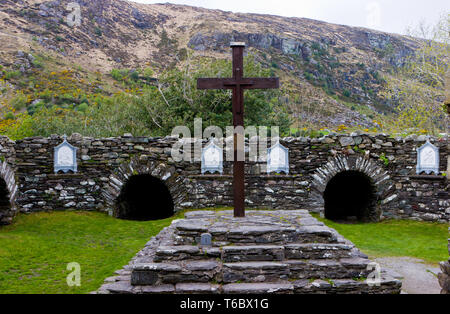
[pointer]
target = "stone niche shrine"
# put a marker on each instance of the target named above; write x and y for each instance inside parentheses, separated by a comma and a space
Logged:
(212, 159)
(65, 159)
(278, 159)
(428, 159)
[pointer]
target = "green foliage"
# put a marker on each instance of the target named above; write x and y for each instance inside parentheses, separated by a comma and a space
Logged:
(83, 107)
(347, 93)
(13, 75)
(148, 73)
(10, 116)
(126, 75)
(19, 102)
(179, 102)
(21, 128)
(384, 159)
(309, 76)
(118, 75)
(166, 43)
(98, 31)
(134, 75)
(37, 62)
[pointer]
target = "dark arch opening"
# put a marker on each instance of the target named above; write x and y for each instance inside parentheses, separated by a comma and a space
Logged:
(350, 195)
(144, 197)
(5, 204)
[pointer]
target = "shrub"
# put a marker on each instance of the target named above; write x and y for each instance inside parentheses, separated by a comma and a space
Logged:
(83, 107)
(119, 75)
(148, 73)
(346, 93)
(10, 116)
(19, 101)
(134, 76)
(12, 75)
(309, 76)
(98, 32)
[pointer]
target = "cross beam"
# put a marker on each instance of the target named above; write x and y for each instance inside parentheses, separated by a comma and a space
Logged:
(238, 84)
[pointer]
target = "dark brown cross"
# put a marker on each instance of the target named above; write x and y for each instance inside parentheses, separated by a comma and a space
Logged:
(238, 84)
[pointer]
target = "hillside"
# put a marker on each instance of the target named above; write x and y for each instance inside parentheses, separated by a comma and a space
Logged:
(330, 73)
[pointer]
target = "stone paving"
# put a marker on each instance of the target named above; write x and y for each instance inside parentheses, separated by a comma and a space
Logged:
(265, 252)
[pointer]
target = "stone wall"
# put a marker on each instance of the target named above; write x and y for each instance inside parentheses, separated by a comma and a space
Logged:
(104, 164)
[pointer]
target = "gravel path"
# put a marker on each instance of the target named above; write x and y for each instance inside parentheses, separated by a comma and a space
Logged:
(417, 276)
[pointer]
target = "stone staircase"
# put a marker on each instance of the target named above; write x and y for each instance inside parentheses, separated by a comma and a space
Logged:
(266, 252)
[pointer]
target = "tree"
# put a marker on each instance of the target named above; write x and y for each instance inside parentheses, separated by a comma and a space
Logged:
(177, 101)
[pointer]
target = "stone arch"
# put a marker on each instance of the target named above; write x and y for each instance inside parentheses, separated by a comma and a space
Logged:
(8, 194)
(377, 177)
(138, 168)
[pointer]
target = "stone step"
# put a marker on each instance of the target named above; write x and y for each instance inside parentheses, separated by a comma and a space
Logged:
(339, 286)
(188, 232)
(185, 252)
(255, 272)
(254, 253)
(162, 273)
(317, 251)
(316, 234)
(328, 269)
(294, 269)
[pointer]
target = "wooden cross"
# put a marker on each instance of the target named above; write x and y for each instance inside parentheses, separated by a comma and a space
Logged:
(238, 84)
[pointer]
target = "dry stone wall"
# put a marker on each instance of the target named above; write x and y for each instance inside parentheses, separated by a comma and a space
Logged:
(402, 195)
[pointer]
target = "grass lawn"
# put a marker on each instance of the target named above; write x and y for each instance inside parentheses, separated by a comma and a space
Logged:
(35, 250)
(423, 240)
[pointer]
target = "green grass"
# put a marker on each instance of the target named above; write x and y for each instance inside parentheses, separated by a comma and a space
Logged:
(35, 250)
(394, 238)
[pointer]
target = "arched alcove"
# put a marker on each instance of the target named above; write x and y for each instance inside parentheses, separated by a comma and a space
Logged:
(347, 187)
(5, 205)
(8, 193)
(350, 195)
(144, 197)
(144, 190)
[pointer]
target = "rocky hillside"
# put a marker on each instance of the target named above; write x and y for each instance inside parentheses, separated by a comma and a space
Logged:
(331, 72)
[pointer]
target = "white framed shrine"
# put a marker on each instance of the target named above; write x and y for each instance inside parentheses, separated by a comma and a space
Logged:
(65, 157)
(212, 159)
(278, 159)
(428, 159)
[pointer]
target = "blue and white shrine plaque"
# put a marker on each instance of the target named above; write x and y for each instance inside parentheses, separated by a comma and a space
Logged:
(278, 159)
(212, 159)
(65, 158)
(428, 159)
